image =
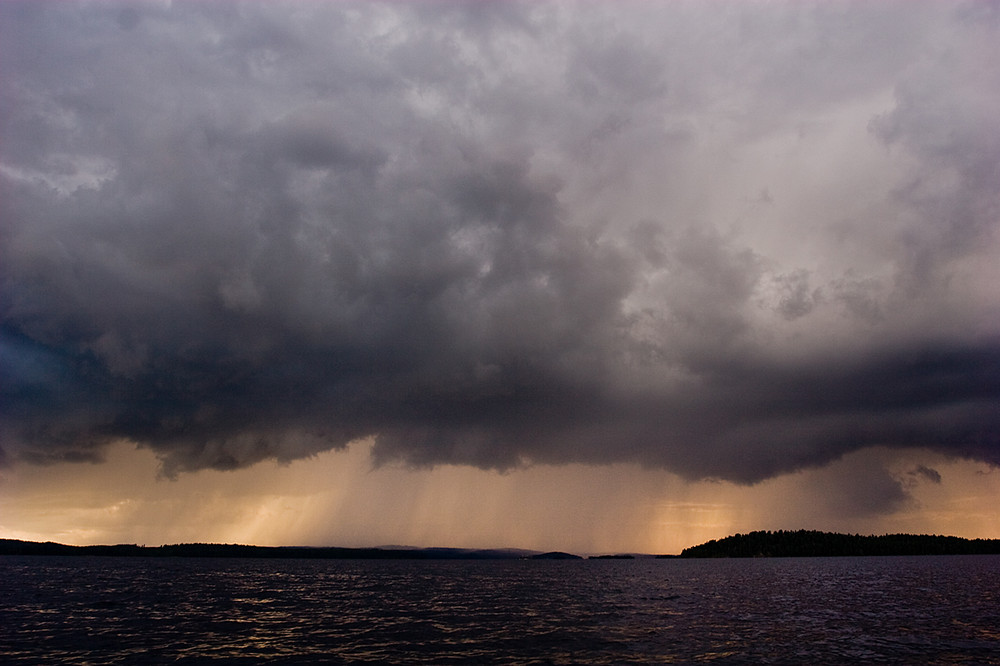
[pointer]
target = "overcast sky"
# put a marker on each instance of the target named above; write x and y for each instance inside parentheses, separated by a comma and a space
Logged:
(586, 256)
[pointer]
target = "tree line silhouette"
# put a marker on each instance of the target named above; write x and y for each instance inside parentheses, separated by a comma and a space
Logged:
(18, 547)
(810, 543)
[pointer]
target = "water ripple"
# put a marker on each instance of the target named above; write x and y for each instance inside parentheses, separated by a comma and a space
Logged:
(87, 610)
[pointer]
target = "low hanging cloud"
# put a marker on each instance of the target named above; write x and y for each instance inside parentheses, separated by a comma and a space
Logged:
(729, 240)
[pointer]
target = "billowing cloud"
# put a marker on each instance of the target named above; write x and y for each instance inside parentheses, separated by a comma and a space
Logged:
(730, 240)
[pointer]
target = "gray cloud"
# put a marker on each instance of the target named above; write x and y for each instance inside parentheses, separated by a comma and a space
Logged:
(862, 490)
(499, 234)
(923, 473)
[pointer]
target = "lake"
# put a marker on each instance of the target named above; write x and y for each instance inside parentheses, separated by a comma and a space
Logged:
(96, 610)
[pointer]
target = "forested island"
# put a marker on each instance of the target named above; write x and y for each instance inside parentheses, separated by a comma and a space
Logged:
(809, 543)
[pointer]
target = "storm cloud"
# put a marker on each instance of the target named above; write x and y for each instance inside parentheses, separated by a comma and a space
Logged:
(732, 240)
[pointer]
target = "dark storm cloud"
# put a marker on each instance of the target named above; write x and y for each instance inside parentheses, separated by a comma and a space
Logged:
(249, 231)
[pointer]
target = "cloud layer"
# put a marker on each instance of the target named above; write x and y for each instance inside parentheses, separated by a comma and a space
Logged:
(731, 240)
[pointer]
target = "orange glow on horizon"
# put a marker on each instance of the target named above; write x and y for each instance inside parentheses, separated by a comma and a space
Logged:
(338, 499)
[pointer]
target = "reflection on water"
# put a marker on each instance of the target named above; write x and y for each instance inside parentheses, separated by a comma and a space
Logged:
(838, 610)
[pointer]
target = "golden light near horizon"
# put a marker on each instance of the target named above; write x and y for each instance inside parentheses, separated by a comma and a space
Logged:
(338, 498)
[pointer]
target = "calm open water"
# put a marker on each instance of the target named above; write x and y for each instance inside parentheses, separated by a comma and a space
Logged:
(907, 610)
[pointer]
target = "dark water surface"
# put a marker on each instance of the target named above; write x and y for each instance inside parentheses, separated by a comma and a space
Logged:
(906, 610)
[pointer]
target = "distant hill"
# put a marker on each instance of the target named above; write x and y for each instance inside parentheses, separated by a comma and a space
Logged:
(17, 547)
(556, 555)
(808, 543)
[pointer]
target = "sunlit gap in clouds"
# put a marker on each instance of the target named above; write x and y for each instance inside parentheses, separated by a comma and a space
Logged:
(338, 498)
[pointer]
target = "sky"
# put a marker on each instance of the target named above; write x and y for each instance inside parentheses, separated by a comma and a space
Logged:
(588, 276)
